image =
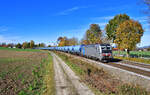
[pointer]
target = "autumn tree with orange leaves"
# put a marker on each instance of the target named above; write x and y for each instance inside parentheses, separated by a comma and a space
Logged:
(113, 25)
(128, 35)
(64, 41)
(61, 41)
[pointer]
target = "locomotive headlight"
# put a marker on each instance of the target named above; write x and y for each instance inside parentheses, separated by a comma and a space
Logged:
(109, 54)
(104, 54)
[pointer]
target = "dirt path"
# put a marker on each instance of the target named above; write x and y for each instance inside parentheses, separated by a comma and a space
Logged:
(63, 85)
(67, 83)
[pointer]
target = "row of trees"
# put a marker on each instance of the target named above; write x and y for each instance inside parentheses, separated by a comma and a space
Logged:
(24, 45)
(126, 33)
(93, 35)
(64, 41)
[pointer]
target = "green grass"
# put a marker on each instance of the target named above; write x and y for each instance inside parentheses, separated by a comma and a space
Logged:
(16, 49)
(49, 82)
(137, 53)
(74, 67)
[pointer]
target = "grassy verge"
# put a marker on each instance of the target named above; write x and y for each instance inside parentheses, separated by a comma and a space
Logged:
(147, 61)
(49, 82)
(100, 81)
(74, 67)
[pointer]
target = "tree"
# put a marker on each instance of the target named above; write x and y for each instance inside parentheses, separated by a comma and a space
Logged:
(31, 44)
(72, 41)
(42, 45)
(93, 35)
(59, 39)
(113, 25)
(11, 45)
(128, 35)
(18, 45)
(28, 44)
(62, 41)
(25, 45)
(106, 40)
(85, 42)
(49, 46)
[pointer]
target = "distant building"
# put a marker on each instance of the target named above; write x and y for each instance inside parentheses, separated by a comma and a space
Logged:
(113, 45)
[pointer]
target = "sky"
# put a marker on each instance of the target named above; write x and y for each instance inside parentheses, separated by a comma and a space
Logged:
(46, 20)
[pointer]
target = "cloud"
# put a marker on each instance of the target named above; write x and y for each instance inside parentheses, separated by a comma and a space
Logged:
(142, 19)
(3, 28)
(9, 39)
(78, 32)
(103, 18)
(68, 11)
(107, 18)
(144, 41)
(102, 24)
(102, 21)
(2, 39)
(119, 8)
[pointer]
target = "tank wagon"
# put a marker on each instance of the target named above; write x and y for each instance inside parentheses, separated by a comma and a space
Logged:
(102, 52)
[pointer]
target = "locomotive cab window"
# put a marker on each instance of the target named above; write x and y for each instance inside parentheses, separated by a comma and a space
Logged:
(103, 47)
(108, 48)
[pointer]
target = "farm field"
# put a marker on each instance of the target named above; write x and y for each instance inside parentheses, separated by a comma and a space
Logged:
(16, 49)
(23, 72)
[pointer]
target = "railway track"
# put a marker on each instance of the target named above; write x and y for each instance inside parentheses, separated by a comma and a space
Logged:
(131, 68)
(139, 68)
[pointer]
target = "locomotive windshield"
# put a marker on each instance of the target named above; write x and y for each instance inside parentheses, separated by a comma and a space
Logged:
(106, 49)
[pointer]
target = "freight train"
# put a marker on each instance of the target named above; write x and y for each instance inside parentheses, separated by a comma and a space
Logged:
(102, 52)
